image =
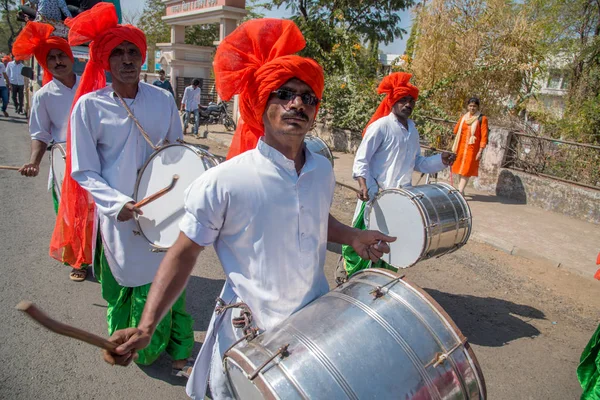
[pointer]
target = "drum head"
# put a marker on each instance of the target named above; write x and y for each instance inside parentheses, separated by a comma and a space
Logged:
(394, 213)
(160, 222)
(318, 146)
(59, 165)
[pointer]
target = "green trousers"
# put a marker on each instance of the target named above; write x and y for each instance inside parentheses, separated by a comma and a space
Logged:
(174, 334)
(352, 261)
(588, 371)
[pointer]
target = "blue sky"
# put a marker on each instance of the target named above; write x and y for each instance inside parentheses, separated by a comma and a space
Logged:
(397, 47)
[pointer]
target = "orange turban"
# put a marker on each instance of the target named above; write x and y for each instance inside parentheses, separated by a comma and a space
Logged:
(255, 60)
(395, 86)
(72, 240)
(36, 40)
(6, 59)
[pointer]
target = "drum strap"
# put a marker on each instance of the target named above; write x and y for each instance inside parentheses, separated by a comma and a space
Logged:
(243, 322)
(137, 123)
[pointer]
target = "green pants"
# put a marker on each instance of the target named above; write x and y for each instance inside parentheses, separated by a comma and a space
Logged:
(588, 371)
(174, 334)
(352, 261)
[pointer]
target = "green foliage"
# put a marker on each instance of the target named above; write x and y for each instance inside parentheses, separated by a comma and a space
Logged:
(9, 27)
(156, 30)
(202, 35)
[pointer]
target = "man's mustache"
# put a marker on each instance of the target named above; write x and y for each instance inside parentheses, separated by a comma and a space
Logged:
(295, 114)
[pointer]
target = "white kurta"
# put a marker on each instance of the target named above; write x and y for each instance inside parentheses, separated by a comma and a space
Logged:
(269, 228)
(50, 110)
(108, 151)
(389, 153)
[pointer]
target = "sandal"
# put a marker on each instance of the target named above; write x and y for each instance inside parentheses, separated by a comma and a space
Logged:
(78, 275)
(186, 371)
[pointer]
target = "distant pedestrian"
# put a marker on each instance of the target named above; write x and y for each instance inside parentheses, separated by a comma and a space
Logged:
(145, 78)
(190, 104)
(471, 138)
(17, 84)
(4, 85)
(163, 83)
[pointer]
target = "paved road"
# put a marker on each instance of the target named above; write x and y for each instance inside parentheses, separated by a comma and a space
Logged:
(527, 325)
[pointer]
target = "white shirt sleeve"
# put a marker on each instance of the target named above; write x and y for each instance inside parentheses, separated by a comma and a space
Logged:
(205, 210)
(429, 165)
(39, 122)
(368, 147)
(9, 71)
(186, 94)
(175, 127)
(86, 168)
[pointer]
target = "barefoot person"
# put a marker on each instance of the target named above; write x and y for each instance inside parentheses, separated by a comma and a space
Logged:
(106, 148)
(265, 210)
(51, 105)
(389, 153)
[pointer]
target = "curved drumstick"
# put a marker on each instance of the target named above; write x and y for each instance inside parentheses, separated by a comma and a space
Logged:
(158, 194)
(10, 167)
(64, 329)
(348, 187)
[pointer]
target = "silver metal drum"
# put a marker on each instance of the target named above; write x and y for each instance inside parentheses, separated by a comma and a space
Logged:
(317, 145)
(376, 336)
(429, 221)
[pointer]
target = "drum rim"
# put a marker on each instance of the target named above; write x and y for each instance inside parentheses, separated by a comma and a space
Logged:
(405, 193)
(440, 310)
(139, 177)
(244, 364)
(465, 204)
(63, 150)
(313, 137)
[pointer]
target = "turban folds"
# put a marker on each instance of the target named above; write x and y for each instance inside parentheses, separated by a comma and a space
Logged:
(36, 40)
(72, 240)
(395, 86)
(255, 60)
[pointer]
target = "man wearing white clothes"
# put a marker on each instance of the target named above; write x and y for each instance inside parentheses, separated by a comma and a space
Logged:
(388, 154)
(51, 105)
(266, 211)
(4, 82)
(17, 83)
(191, 104)
(114, 131)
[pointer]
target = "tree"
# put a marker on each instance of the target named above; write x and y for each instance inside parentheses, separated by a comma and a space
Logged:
(10, 27)
(156, 30)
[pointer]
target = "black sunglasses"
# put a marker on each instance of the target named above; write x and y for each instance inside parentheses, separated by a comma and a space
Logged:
(308, 99)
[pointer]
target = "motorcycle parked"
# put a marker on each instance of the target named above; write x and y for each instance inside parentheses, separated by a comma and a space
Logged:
(214, 114)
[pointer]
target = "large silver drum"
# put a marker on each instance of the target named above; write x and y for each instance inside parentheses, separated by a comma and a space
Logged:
(317, 145)
(376, 336)
(429, 221)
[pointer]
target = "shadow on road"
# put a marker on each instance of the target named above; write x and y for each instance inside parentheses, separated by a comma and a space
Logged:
(487, 321)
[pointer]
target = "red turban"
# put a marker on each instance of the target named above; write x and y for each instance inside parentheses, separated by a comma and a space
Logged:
(395, 86)
(255, 60)
(36, 40)
(72, 240)
(6, 59)
(597, 275)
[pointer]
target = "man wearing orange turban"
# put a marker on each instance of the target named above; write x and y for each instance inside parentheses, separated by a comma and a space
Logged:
(265, 210)
(113, 132)
(389, 153)
(4, 84)
(51, 105)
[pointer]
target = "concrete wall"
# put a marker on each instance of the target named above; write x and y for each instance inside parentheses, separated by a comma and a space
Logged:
(549, 194)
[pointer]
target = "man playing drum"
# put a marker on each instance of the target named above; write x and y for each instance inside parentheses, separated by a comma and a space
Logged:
(266, 211)
(51, 105)
(389, 153)
(113, 132)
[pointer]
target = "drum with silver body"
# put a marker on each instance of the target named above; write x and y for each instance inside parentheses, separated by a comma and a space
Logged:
(58, 165)
(160, 222)
(317, 145)
(429, 220)
(376, 336)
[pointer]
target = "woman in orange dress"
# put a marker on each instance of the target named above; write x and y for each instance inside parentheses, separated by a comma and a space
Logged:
(471, 138)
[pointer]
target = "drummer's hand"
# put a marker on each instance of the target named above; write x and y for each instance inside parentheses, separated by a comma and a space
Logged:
(30, 170)
(448, 158)
(128, 211)
(363, 194)
(129, 340)
(370, 245)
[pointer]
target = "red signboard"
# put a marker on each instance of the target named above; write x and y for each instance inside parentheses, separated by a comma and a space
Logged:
(197, 5)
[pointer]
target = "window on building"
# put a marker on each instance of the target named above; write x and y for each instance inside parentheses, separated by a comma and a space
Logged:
(554, 79)
(565, 82)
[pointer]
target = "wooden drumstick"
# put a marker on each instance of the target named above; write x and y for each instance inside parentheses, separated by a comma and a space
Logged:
(10, 167)
(348, 187)
(158, 194)
(64, 329)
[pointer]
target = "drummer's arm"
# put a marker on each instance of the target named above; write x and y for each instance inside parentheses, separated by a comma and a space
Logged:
(39, 129)
(85, 166)
(369, 245)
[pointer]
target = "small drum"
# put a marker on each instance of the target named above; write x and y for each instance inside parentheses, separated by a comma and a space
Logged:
(376, 336)
(160, 222)
(317, 145)
(428, 221)
(58, 164)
